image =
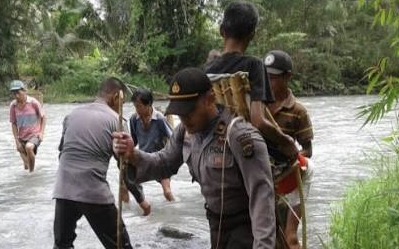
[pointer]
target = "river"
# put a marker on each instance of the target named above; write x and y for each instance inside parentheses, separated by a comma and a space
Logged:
(27, 210)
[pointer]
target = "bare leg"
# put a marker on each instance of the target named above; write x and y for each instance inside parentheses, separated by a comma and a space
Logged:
(291, 228)
(22, 153)
(167, 192)
(24, 159)
(30, 152)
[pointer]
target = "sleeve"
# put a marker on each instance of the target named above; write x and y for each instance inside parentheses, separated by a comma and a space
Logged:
(305, 129)
(125, 126)
(64, 125)
(38, 107)
(257, 80)
(13, 118)
(257, 177)
(132, 124)
(161, 164)
(166, 128)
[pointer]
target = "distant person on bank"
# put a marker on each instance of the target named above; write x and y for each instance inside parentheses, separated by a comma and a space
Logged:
(28, 122)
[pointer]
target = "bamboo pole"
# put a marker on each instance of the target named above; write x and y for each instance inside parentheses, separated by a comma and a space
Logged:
(121, 170)
(302, 207)
(269, 116)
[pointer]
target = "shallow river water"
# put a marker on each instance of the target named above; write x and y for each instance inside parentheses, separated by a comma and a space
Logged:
(27, 209)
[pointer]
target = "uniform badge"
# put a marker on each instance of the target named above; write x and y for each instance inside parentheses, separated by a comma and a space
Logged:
(175, 88)
(247, 144)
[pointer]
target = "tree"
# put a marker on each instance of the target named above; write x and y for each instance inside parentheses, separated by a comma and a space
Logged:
(380, 76)
(16, 16)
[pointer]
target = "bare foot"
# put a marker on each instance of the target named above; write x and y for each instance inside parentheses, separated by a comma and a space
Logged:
(146, 207)
(167, 192)
(31, 168)
(169, 195)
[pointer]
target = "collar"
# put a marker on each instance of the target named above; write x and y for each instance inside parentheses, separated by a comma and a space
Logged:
(154, 115)
(214, 123)
(100, 101)
(288, 102)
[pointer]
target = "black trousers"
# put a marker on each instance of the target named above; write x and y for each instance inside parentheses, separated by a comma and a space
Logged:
(102, 219)
(236, 231)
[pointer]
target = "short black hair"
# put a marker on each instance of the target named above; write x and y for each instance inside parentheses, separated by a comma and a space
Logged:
(239, 20)
(144, 95)
(111, 85)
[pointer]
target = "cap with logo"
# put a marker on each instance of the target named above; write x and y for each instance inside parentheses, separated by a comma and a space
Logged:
(185, 89)
(17, 85)
(278, 62)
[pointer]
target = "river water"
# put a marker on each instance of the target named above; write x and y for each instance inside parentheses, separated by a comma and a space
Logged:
(27, 210)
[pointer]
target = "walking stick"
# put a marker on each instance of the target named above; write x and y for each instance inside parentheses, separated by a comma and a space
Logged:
(302, 207)
(121, 170)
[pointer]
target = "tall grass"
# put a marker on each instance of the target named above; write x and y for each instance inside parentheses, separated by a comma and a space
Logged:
(368, 217)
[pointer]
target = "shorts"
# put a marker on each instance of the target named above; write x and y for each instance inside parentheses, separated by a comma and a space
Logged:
(307, 177)
(33, 140)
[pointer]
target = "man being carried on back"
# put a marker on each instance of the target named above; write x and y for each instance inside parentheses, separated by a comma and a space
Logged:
(237, 29)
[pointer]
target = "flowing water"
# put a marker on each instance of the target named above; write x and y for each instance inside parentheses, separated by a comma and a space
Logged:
(27, 210)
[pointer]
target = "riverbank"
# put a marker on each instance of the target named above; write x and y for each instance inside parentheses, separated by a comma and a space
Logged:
(55, 95)
(368, 217)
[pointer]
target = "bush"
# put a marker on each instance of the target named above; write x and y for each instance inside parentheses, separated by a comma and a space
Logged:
(81, 78)
(368, 218)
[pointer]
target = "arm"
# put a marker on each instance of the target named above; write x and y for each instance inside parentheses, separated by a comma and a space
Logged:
(64, 125)
(43, 122)
(132, 124)
(306, 149)
(257, 178)
(284, 143)
(41, 115)
(14, 128)
(304, 135)
(15, 133)
(150, 166)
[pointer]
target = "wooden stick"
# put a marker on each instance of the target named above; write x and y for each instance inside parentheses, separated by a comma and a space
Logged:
(121, 170)
(302, 207)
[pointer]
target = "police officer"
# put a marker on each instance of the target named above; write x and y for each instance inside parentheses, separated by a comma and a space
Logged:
(226, 156)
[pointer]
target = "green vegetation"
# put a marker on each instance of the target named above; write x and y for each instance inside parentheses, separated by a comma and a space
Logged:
(368, 218)
(369, 215)
(69, 46)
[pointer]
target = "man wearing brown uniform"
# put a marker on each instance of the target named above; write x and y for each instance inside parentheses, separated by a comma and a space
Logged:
(293, 119)
(225, 155)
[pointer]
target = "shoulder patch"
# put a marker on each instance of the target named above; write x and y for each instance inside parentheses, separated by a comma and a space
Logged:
(247, 144)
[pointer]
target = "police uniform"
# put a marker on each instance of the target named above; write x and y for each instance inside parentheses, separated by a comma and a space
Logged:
(247, 207)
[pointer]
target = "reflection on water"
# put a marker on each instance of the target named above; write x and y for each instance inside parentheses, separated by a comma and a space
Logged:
(27, 210)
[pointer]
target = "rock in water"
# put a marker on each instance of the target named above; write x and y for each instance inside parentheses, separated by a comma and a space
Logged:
(175, 233)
